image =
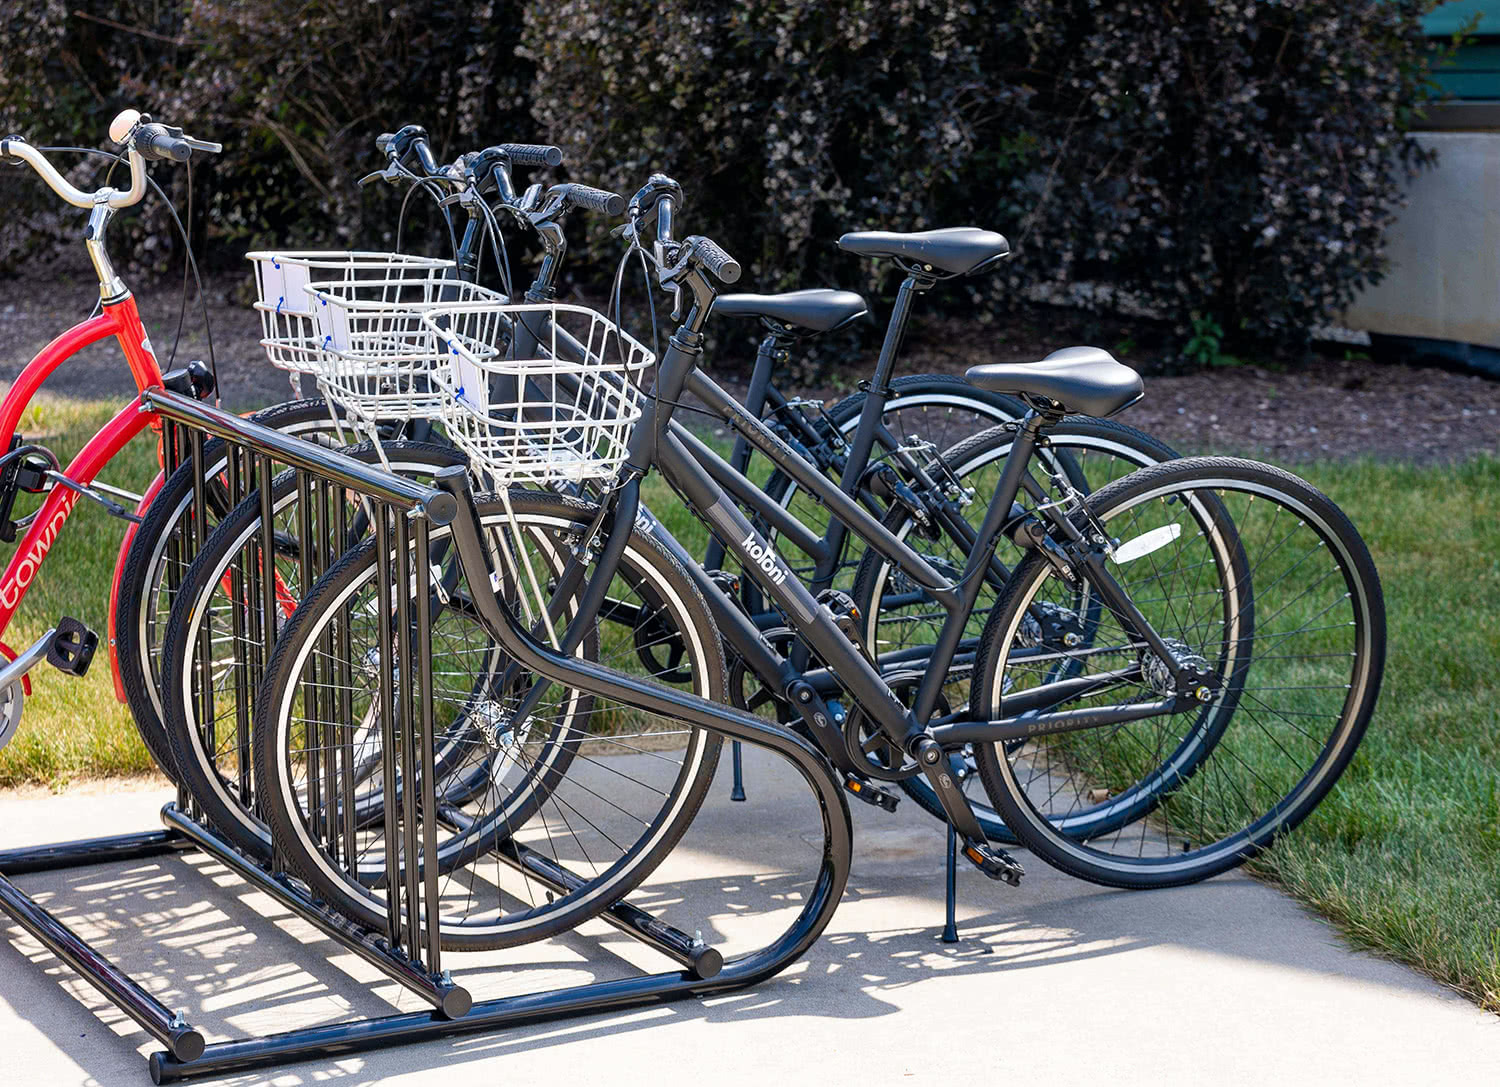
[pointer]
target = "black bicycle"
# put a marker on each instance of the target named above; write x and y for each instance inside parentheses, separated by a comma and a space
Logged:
(902, 478)
(1175, 673)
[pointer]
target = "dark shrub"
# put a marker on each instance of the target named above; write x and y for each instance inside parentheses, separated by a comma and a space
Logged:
(1218, 164)
(1193, 159)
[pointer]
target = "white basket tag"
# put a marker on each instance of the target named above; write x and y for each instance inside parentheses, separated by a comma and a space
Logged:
(294, 278)
(282, 287)
(469, 380)
(333, 326)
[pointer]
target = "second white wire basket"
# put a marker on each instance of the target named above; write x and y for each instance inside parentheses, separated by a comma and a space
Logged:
(292, 337)
(379, 357)
(561, 413)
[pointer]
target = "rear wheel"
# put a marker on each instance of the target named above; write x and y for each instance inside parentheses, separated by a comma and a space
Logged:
(1259, 584)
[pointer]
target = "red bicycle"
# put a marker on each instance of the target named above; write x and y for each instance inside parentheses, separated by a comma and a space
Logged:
(143, 574)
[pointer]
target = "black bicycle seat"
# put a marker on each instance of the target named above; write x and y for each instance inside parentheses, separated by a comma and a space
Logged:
(1086, 380)
(808, 312)
(957, 250)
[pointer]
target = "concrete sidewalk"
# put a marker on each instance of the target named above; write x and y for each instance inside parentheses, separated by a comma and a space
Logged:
(1227, 982)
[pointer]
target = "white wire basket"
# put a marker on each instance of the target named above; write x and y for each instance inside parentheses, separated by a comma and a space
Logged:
(379, 356)
(292, 337)
(563, 414)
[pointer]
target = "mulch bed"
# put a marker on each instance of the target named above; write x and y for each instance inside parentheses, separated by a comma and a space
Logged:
(1322, 408)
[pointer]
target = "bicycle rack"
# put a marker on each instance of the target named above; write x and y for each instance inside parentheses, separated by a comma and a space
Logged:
(405, 950)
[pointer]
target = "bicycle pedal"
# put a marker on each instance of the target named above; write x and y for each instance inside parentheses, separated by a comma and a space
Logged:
(873, 795)
(72, 651)
(994, 862)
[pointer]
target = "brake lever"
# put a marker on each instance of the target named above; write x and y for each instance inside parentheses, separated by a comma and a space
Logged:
(670, 277)
(394, 172)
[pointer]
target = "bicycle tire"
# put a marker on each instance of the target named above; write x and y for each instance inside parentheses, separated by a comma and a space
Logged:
(308, 858)
(1261, 724)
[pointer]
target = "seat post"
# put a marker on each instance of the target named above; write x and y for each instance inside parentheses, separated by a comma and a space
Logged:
(895, 331)
(773, 350)
(879, 389)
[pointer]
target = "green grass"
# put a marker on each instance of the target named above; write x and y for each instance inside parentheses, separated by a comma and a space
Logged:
(72, 727)
(1404, 855)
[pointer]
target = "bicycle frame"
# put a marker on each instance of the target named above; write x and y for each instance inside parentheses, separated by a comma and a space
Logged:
(707, 482)
(121, 319)
(656, 443)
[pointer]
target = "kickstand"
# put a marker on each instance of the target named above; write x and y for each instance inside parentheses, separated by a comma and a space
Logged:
(950, 921)
(737, 792)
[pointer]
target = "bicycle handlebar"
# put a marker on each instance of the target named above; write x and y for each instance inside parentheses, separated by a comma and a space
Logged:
(533, 154)
(662, 196)
(142, 141)
(724, 267)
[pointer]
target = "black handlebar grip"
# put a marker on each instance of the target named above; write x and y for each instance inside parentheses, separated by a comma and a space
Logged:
(425, 158)
(724, 267)
(533, 154)
(585, 196)
(155, 142)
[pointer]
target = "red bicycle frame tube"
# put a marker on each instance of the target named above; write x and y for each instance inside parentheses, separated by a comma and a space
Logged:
(122, 320)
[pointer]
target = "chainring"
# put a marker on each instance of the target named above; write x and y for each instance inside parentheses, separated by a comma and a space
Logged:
(869, 748)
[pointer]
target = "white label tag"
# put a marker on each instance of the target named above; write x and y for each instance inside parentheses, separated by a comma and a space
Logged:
(282, 288)
(1146, 543)
(473, 387)
(333, 326)
(294, 282)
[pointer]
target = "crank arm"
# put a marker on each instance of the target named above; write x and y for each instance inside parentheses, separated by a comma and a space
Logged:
(27, 659)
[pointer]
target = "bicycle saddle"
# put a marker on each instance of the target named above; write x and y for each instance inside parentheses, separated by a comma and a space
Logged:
(1086, 380)
(957, 250)
(810, 311)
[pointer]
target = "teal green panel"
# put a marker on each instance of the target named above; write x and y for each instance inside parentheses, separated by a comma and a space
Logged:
(1450, 17)
(1474, 72)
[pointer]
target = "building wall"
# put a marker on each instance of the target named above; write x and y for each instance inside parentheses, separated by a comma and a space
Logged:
(1444, 280)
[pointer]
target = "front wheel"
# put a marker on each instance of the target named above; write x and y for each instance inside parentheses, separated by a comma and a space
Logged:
(582, 783)
(1262, 591)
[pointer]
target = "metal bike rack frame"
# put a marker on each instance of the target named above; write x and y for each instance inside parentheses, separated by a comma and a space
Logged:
(405, 950)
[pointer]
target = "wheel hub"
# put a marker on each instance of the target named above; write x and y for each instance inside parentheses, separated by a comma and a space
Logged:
(1160, 675)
